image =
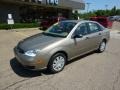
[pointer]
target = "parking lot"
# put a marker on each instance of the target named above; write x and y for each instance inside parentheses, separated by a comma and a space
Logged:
(95, 71)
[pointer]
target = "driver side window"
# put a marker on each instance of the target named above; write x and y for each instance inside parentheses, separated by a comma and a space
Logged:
(82, 29)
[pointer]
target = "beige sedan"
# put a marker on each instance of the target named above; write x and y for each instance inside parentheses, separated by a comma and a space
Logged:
(61, 43)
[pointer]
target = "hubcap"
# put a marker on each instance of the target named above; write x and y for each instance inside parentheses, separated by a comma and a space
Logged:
(58, 63)
(102, 47)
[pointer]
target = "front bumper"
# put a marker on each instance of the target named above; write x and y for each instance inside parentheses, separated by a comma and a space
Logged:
(32, 63)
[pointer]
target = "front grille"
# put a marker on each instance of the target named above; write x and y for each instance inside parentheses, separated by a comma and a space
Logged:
(20, 50)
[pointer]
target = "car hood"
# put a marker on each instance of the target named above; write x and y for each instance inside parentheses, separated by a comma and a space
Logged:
(38, 41)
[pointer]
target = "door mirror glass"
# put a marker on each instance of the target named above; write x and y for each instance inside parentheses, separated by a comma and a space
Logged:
(77, 36)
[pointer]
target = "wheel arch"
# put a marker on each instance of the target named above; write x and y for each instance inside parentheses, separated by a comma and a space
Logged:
(104, 39)
(61, 51)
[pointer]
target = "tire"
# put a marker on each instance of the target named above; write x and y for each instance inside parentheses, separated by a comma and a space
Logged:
(102, 46)
(57, 63)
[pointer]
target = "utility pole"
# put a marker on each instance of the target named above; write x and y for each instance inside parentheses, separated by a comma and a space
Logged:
(88, 6)
(106, 6)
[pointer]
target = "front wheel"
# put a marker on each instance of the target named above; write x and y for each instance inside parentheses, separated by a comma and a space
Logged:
(57, 63)
(102, 46)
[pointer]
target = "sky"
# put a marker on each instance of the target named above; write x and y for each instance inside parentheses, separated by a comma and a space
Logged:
(101, 4)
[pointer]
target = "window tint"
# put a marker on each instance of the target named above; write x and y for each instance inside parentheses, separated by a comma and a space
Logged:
(94, 27)
(82, 29)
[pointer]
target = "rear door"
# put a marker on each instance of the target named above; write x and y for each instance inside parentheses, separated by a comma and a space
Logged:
(95, 35)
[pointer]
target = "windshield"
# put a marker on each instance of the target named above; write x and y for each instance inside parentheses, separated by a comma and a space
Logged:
(61, 29)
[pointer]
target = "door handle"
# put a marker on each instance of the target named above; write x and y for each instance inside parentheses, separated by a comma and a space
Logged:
(100, 34)
(87, 38)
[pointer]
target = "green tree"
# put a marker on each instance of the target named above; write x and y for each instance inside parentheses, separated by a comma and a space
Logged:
(100, 12)
(75, 15)
(106, 13)
(118, 12)
(113, 11)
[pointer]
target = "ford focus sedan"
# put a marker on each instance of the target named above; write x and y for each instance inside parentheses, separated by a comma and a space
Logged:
(62, 42)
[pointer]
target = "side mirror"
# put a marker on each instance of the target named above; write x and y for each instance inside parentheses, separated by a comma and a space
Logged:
(77, 36)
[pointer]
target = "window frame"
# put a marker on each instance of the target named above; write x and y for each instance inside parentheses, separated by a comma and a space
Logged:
(86, 27)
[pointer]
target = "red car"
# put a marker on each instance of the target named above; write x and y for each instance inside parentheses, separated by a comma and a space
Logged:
(102, 20)
(46, 23)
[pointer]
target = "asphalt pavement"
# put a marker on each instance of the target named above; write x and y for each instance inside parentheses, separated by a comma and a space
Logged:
(94, 71)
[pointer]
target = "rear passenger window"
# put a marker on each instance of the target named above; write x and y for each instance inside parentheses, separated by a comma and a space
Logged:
(93, 27)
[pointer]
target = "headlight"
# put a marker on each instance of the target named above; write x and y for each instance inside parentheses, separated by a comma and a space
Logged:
(32, 53)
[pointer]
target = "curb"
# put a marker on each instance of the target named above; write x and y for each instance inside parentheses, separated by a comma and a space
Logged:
(25, 29)
(22, 29)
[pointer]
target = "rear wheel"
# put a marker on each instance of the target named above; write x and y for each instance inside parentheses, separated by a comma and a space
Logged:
(57, 63)
(102, 46)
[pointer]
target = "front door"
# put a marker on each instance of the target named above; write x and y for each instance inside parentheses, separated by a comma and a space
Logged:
(80, 45)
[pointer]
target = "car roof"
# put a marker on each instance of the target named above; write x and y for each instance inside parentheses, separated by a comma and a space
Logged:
(77, 21)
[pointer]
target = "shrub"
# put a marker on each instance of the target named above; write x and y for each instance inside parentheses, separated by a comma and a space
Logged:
(19, 25)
